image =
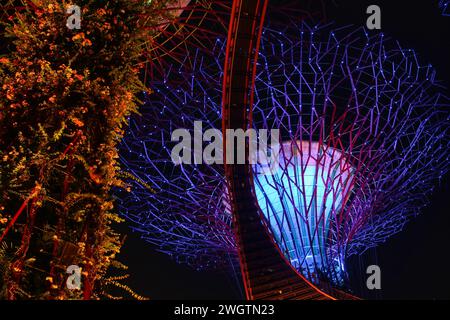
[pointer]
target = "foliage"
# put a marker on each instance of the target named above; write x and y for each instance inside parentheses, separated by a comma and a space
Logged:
(64, 102)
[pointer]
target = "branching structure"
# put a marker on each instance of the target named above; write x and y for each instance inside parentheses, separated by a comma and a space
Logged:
(184, 24)
(180, 209)
(364, 138)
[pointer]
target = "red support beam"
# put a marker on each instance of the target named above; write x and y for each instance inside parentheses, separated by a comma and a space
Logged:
(266, 272)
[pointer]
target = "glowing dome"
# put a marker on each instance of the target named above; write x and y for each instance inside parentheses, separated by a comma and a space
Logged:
(301, 197)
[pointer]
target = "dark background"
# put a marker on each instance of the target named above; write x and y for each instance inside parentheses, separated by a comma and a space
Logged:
(414, 263)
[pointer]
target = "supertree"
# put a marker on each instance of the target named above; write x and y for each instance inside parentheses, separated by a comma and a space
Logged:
(363, 140)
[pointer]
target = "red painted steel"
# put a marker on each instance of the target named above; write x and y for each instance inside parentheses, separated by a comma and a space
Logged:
(266, 272)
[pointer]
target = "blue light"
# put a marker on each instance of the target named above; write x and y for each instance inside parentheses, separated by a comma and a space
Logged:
(301, 198)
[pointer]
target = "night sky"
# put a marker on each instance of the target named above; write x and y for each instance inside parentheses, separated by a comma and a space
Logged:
(414, 263)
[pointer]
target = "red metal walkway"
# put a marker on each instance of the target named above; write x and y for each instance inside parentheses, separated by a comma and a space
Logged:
(266, 272)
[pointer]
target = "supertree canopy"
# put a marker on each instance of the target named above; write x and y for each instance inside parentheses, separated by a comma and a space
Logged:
(363, 139)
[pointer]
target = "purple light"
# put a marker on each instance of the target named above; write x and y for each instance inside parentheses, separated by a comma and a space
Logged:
(356, 101)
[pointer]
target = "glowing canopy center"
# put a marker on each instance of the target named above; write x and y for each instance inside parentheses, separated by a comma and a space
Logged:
(301, 200)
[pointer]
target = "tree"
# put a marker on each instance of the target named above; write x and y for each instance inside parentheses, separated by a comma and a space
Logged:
(65, 98)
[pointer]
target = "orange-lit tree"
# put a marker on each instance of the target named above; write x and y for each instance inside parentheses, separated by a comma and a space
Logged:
(65, 95)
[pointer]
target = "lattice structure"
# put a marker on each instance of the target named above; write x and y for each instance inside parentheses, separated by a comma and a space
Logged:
(364, 136)
(8, 7)
(353, 118)
(181, 209)
(187, 24)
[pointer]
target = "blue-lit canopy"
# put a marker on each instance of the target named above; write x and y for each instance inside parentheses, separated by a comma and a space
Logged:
(300, 199)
